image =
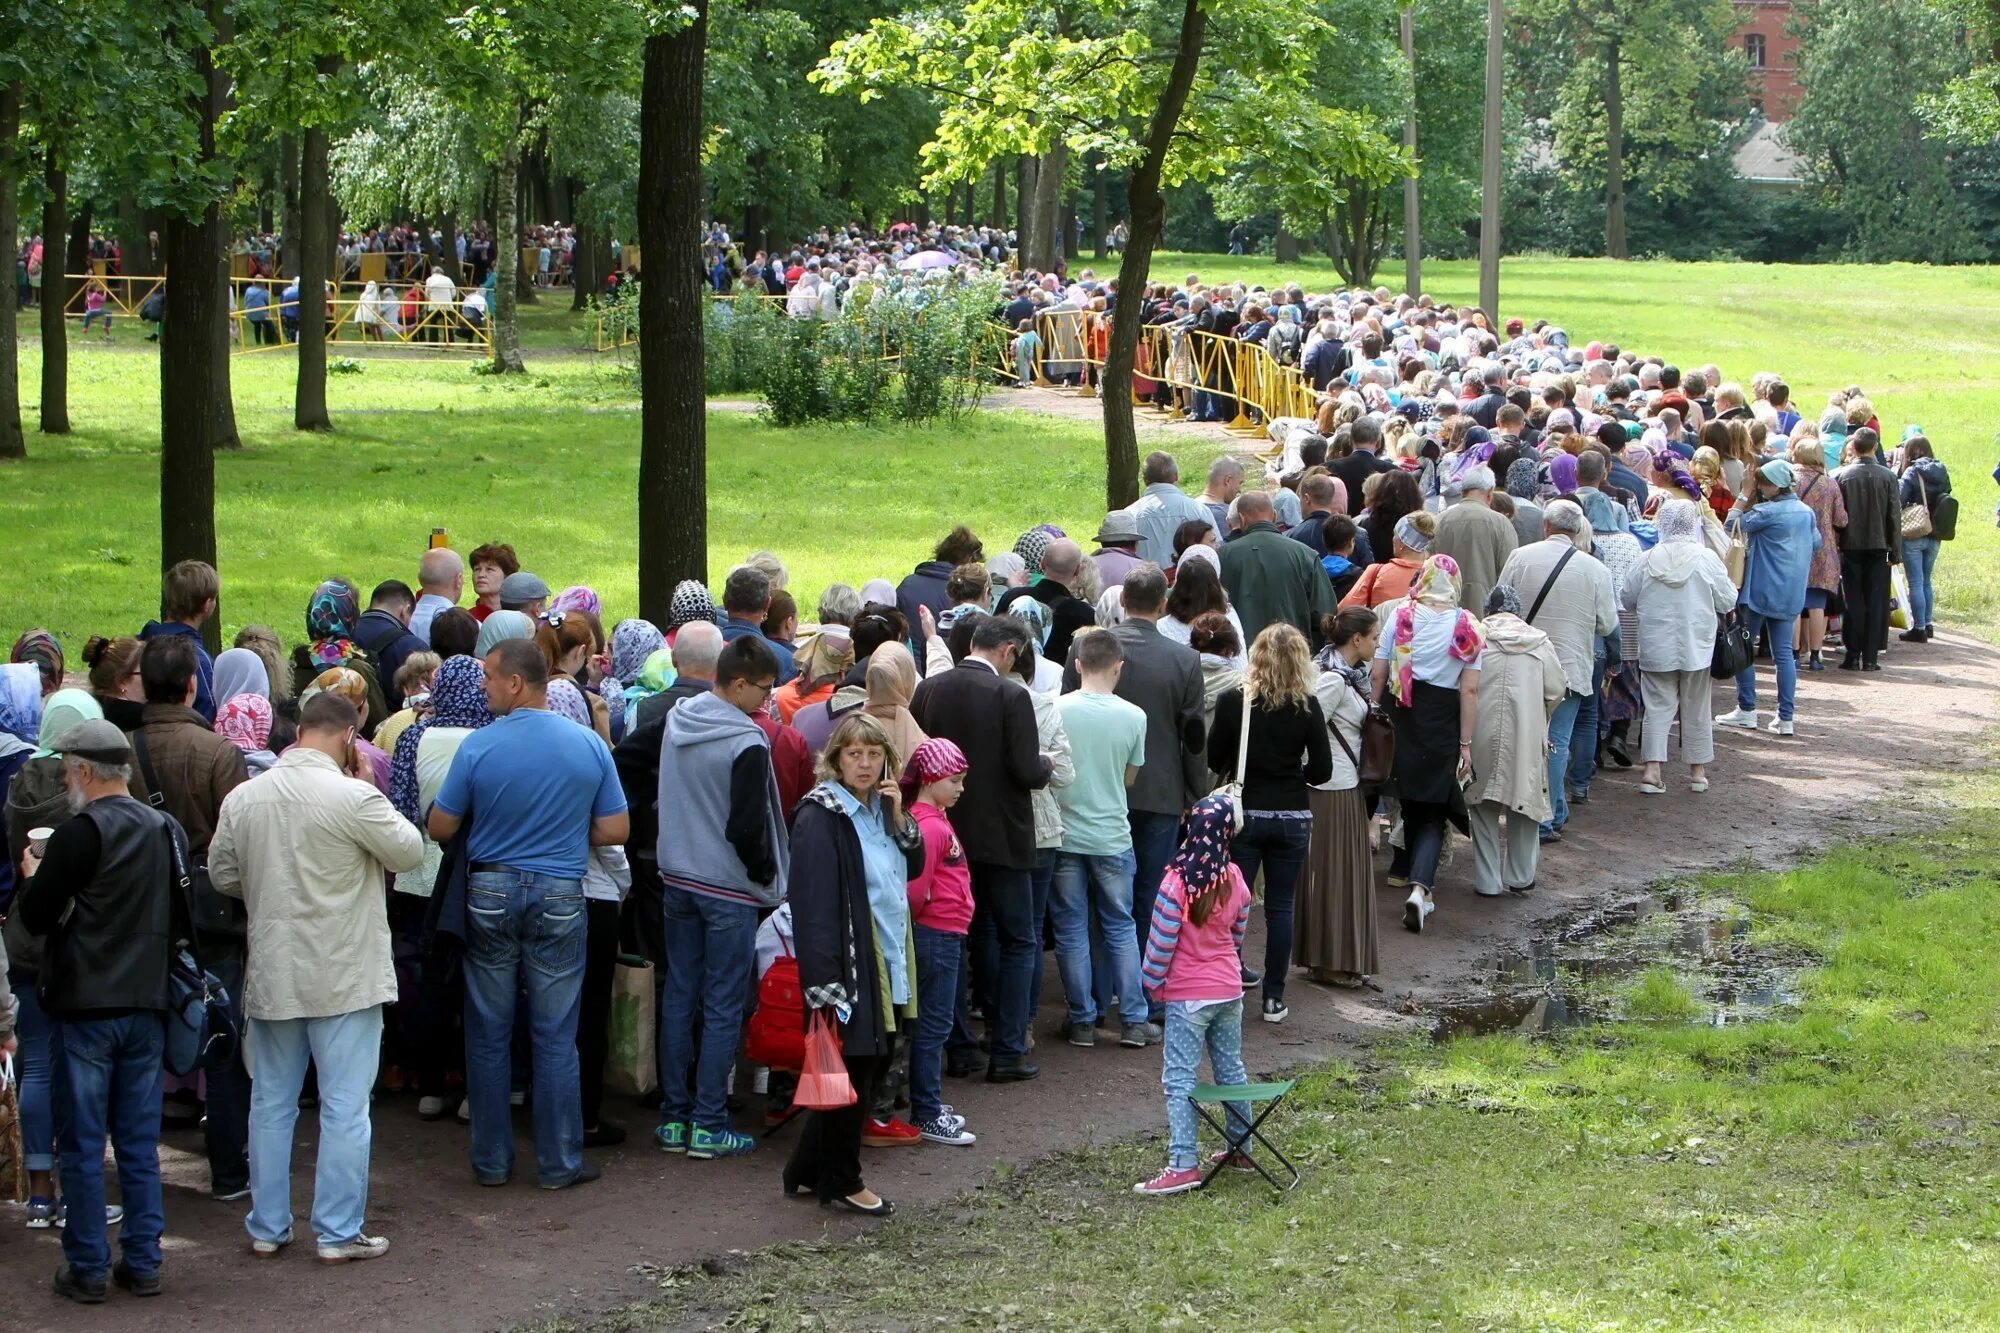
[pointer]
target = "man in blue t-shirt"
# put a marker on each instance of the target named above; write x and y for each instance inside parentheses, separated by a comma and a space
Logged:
(539, 791)
(746, 600)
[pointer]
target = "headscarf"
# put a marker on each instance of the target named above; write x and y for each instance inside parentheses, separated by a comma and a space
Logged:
(1562, 473)
(1436, 590)
(827, 655)
(1037, 617)
(1778, 472)
(1200, 553)
(1639, 458)
(632, 642)
(240, 671)
(1001, 569)
(892, 679)
(933, 761)
(61, 711)
(1679, 521)
(458, 699)
(691, 602)
(499, 627)
(245, 722)
(343, 681)
(40, 647)
(1503, 601)
(576, 597)
(566, 700)
(1032, 546)
(658, 673)
(330, 620)
(1412, 536)
(1202, 860)
(1111, 606)
(878, 592)
(20, 707)
(1521, 478)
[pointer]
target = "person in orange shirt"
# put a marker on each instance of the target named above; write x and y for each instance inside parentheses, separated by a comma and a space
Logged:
(1390, 580)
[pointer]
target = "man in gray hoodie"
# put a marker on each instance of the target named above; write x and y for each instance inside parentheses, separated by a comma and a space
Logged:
(723, 854)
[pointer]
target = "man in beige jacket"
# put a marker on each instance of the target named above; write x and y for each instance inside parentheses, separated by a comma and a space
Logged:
(305, 846)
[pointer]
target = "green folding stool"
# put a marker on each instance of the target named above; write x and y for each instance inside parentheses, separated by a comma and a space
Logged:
(1208, 1095)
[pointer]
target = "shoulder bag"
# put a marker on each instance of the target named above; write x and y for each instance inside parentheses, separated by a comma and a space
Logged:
(1917, 515)
(1735, 647)
(1233, 789)
(1378, 745)
(1543, 595)
(201, 1030)
(210, 911)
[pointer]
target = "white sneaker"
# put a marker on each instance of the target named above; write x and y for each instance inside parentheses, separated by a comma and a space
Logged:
(1780, 727)
(465, 1111)
(270, 1249)
(361, 1247)
(1417, 909)
(1745, 718)
(430, 1108)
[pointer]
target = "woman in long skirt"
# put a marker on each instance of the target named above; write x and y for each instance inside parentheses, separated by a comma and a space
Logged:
(1335, 934)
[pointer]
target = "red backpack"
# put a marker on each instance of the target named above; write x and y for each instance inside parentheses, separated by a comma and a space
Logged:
(776, 1034)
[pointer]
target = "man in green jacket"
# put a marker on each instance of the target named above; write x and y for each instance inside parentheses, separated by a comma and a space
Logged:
(1269, 577)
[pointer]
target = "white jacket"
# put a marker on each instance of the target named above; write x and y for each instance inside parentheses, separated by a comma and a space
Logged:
(1055, 744)
(1678, 589)
(304, 846)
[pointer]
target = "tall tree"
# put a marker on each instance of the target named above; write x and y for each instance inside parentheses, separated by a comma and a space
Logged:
(12, 443)
(673, 438)
(55, 285)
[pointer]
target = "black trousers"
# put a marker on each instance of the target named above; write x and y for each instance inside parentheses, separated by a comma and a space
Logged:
(593, 1019)
(1864, 582)
(827, 1159)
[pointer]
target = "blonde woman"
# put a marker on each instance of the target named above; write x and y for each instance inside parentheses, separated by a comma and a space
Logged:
(263, 641)
(1288, 752)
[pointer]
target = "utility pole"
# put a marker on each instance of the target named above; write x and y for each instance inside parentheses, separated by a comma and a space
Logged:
(1413, 244)
(1489, 169)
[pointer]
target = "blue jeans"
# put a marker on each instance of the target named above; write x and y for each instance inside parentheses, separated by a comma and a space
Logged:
(345, 1050)
(1218, 1030)
(1785, 660)
(1919, 562)
(1154, 839)
(108, 1075)
(1104, 882)
(1562, 724)
(1583, 732)
(939, 955)
(711, 949)
(1279, 847)
(31, 1064)
(524, 929)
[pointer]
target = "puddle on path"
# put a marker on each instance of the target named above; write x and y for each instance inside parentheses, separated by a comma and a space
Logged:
(1588, 976)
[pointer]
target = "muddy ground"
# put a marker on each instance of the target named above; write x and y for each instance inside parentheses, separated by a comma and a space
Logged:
(464, 1257)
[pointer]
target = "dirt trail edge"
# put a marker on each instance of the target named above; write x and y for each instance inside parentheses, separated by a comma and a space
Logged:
(464, 1257)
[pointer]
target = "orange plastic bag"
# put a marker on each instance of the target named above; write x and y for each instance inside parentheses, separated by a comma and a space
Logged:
(823, 1081)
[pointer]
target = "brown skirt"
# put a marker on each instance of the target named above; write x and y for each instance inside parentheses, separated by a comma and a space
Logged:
(1333, 921)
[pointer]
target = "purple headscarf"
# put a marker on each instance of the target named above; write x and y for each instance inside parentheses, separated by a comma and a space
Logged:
(1562, 473)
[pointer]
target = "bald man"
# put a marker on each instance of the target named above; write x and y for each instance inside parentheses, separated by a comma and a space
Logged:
(440, 583)
(1062, 565)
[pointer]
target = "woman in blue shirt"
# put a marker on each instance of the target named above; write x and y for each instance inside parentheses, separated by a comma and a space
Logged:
(1925, 482)
(1783, 533)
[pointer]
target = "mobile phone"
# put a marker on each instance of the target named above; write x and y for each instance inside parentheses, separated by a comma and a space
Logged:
(439, 539)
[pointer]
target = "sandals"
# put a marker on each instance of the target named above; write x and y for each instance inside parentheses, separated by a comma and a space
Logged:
(1698, 786)
(1651, 789)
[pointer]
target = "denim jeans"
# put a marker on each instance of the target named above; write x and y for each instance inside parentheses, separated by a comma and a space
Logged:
(1785, 660)
(1154, 839)
(1562, 724)
(524, 930)
(226, 1092)
(1041, 885)
(31, 1065)
(1919, 562)
(938, 957)
(1102, 883)
(1218, 1030)
(1279, 847)
(711, 949)
(108, 1074)
(1006, 950)
(345, 1050)
(1583, 732)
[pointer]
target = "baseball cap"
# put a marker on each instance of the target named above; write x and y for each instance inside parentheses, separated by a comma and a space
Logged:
(96, 740)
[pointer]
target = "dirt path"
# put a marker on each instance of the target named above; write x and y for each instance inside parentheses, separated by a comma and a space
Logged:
(472, 1258)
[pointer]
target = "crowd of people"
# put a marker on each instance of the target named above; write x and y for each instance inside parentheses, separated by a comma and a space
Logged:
(412, 848)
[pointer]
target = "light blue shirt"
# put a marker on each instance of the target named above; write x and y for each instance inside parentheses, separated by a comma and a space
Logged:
(888, 888)
(1783, 535)
(1158, 512)
(428, 606)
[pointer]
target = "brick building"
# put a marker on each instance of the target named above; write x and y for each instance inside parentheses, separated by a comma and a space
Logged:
(1772, 54)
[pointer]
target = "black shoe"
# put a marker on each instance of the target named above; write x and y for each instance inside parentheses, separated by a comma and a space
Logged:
(605, 1135)
(883, 1208)
(147, 1284)
(1915, 636)
(1251, 976)
(963, 1066)
(1017, 1073)
(1080, 1034)
(1615, 747)
(67, 1283)
(584, 1175)
(1871, 666)
(1850, 664)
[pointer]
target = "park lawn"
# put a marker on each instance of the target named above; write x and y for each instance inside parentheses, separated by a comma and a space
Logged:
(1829, 1168)
(1923, 342)
(547, 461)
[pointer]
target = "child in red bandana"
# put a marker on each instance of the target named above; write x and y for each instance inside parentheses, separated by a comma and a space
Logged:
(940, 917)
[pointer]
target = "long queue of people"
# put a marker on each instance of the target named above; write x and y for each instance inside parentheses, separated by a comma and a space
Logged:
(431, 818)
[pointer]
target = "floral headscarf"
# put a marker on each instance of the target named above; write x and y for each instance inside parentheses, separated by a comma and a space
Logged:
(566, 700)
(1032, 546)
(632, 642)
(458, 699)
(577, 598)
(1203, 856)
(691, 602)
(1436, 590)
(658, 673)
(245, 722)
(20, 706)
(40, 647)
(1521, 478)
(61, 711)
(1111, 607)
(330, 621)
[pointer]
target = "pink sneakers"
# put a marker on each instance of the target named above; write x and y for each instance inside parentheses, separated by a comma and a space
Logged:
(1171, 1181)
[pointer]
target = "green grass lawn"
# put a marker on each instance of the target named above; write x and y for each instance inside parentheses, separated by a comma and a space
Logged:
(1829, 1168)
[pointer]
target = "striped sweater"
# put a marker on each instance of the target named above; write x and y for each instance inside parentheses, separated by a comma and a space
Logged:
(1185, 961)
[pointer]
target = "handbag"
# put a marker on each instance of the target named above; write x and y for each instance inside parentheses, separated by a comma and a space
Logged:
(632, 1044)
(1735, 648)
(212, 913)
(775, 1037)
(823, 1081)
(13, 1160)
(1233, 789)
(201, 1030)
(1917, 515)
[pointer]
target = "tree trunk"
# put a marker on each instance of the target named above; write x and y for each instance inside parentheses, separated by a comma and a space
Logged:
(1041, 245)
(1489, 165)
(135, 257)
(524, 274)
(1148, 213)
(583, 266)
(309, 393)
(507, 256)
(13, 444)
(562, 199)
(1614, 154)
(999, 193)
(292, 233)
(1024, 227)
(452, 268)
(190, 389)
(1413, 236)
(1284, 245)
(673, 448)
(55, 292)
